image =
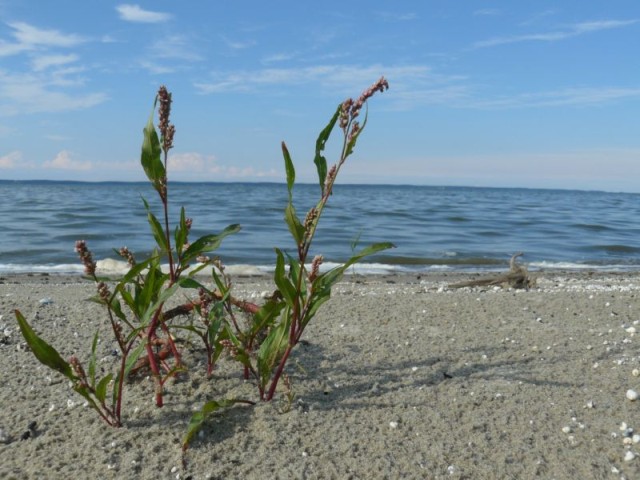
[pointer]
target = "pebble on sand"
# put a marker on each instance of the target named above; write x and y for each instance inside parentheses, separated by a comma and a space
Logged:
(632, 395)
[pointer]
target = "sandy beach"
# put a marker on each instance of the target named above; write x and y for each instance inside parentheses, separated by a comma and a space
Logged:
(398, 377)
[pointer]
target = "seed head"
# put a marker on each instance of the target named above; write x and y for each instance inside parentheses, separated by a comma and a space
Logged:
(103, 291)
(85, 257)
(167, 130)
(77, 367)
(315, 267)
(350, 109)
(128, 256)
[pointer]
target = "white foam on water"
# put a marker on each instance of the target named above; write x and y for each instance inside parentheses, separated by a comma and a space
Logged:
(17, 268)
(113, 267)
(579, 266)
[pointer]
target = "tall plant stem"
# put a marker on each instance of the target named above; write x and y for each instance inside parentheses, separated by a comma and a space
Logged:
(164, 196)
(153, 365)
(296, 328)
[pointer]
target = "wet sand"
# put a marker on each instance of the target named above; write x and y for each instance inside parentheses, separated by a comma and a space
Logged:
(398, 377)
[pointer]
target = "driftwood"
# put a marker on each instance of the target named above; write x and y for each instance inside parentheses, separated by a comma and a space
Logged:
(516, 277)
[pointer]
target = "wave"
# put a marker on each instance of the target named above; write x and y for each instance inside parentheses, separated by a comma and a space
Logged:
(115, 268)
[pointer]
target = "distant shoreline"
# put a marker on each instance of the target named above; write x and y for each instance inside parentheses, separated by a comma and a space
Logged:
(303, 183)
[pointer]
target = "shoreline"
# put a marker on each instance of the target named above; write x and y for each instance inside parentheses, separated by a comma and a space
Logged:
(400, 377)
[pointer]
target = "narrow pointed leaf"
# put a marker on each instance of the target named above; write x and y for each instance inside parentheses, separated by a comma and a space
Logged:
(158, 232)
(150, 157)
(44, 352)
(101, 389)
(320, 160)
(266, 317)
(208, 243)
(198, 418)
(290, 170)
(293, 222)
(282, 282)
(272, 349)
(133, 358)
(327, 279)
(92, 361)
(181, 231)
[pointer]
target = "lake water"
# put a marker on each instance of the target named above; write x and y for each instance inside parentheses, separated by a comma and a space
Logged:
(434, 228)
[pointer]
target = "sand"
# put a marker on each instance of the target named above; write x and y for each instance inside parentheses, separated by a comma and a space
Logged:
(399, 377)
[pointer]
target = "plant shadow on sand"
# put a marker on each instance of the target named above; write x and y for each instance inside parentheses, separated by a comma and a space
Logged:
(360, 385)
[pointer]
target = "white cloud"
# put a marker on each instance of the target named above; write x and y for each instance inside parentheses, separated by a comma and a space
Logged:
(57, 138)
(63, 161)
(572, 31)
(237, 45)
(10, 160)
(191, 162)
(8, 49)
(29, 35)
(156, 68)
(27, 93)
(133, 13)
(412, 85)
(351, 79)
(45, 61)
(198, 167)
(28, 38)
(278, 57)
(577, 96)
(175, 47)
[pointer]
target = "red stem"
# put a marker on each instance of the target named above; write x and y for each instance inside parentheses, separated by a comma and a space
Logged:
(152, 359)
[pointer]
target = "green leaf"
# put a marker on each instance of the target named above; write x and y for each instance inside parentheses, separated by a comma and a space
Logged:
(136, 270)
(266, 317)
(84, 391)
(181, 231)
(208, 243)
(44, 352)
(282, 281)
(224, 290)
(328, 279)
(162, 297)
(149, 292)
(92, 361)
(290, 170)
(189, 282)
(101, 389)
(198, 418)
(116, 308)
(320, 160)
(156, 229)
(150, 157)
(227, 334)
(272, 349)
(133, 358)
(293, 222)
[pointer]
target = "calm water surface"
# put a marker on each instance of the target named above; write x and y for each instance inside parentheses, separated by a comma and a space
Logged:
(433, 227)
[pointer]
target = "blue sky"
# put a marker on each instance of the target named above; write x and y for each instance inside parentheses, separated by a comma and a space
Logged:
(482, 93)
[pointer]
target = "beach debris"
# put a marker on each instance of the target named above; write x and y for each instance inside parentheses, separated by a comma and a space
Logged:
(30, 431)
(632, 395)
(4, 437)
(45, 301)
(516, 277)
